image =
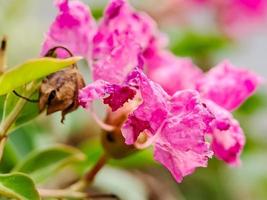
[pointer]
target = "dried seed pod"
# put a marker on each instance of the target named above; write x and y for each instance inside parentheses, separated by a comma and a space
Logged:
(59, 91)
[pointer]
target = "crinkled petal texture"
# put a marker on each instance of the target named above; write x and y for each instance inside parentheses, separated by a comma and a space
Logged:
(115, 57)
(150, 114)
(73, 28)
(228, 86)
(179, 163)
(177, 123)
(164, 66)
(228, 139)
(181, 146)
(113, 95)
(122, 37)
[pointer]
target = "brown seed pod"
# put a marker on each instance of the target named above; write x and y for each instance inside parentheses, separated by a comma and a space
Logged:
(59, 91)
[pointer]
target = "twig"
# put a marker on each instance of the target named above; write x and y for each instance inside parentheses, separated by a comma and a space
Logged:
(90, 175)
(49, 193)
(61, 193)
(3, 46)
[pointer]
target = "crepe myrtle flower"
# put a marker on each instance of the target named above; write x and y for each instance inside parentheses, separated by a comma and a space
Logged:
(175, 117)
(223, 89)
(73, 28)
(175, 125)
(121, 31)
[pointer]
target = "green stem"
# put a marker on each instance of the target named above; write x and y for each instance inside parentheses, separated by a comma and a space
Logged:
(8, 121)
(89, 176)
(2, 145)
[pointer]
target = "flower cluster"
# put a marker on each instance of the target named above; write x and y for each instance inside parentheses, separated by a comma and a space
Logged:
(177, 106)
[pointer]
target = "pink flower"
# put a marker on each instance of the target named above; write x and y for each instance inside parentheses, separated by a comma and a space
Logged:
(227, 85)
(172, 119)
(174, 124)
(228, 138)
(73, 28)
(113, 95)
(171, 72)
(223, 89)
(122, 31)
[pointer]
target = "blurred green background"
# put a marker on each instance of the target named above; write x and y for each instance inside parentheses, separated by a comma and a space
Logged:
(139, 177)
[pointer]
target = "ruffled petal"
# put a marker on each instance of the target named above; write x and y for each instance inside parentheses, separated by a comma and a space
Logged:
(188, 121)
(179, 163)
(181, 146)
(113, 95)
(228, 86)
(113, 60)
(164, 66)
(150, 114)
(122, 37)
(73, 28)
(228, 139)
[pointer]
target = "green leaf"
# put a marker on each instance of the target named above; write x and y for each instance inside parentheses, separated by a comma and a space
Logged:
(253, 104)
(29, 111)
(198, 44)
(18, 186)
(32, 70)
(2, 100)
(42, 164)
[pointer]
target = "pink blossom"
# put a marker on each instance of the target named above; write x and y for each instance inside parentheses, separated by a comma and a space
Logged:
(171, 72)
(227, 85)
(228, 138)
(175, 121)
(174, 124)
(224, 88)
(73, 28)
(113, 95)
(181, 145)
(123, 36)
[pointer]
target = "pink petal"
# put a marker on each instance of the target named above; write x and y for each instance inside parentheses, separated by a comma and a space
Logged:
(189, 119)
(228, 86)
(150, 114)
(73, 28)
(123, 36)
(179, 163)
(181, 146)
(113, 95)
(112, 62)
(228, 138)
(164, 66)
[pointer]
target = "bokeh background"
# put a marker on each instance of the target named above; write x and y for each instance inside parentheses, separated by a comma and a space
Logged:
(138, 177)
